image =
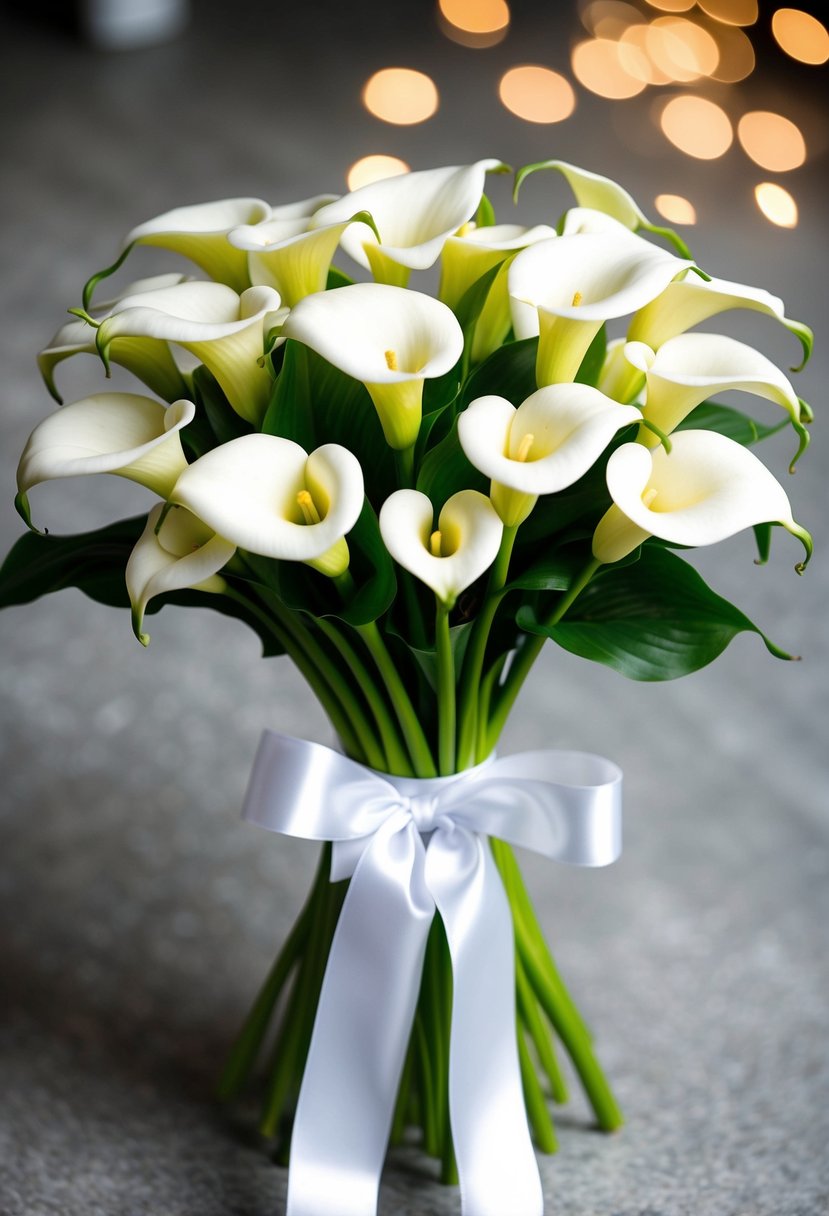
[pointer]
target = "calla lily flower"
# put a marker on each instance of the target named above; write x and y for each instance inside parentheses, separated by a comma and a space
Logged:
(222, 329)
(269, 496)
(286, 255)
(200, 234)
(414, 214)
(150, 360)
(450, 558)
(174, 552)
(470, 253)
(578, 282)
(389, 338)
(707, 488)
(541, 447)
(123, 433)
(583, 220)
(690, 368)
(602, 194)
(686, 303)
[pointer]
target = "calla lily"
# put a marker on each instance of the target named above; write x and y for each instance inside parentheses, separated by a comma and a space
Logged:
(222, 329)
(269, 496)
(389, 338)
(414, 214)
(470, 253)
(175, 551)
(602, 194)
(541, 447)
(583, 220)
(200, 234)
(707, 488)
(450, 558)
(285, 255)
(690, 368)
(576, 283)
(686, 303)
(150, 360)
(135, 437)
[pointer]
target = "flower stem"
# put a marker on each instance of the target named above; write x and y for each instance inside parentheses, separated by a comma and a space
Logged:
(416, 741)
(404, 464)
(537, 1113)
(446, 692)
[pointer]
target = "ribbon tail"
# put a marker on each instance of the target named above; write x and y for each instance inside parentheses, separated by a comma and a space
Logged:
(496, 1163)
(361, 1032)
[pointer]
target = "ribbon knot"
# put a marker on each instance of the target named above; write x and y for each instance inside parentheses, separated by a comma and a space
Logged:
(564, 805)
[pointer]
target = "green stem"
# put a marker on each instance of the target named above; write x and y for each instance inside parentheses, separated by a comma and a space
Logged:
(431, 1143)
(530, 651)
(476, 651)
(537, 1112)
(419, 751)
(446, 692)
(395, 758)
(404, 464)
(537, 1029)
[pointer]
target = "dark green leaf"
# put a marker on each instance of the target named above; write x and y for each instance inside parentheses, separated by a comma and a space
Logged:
(427, 658)
(289, 414)
(446, 470)
(508, 372)
(730, 422)
(762, 534)
(593, 361)
(654, 620)
(337, 278)
(216, 421)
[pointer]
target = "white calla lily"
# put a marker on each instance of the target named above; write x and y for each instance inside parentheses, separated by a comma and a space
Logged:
(706, 489)
(599, 193)
(199, 232)
(150, 360)
(576, 283)
(122, 433)
(173, 553)
(470, 253)
(224, 330)
(451, 557)
(286, 255)
(582, 220)
(686, 303)
(389, 338)
(414, 213)
(543, 446)
(269, 496)
(690, 368)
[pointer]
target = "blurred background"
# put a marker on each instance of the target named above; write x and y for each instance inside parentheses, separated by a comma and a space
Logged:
(137, 915)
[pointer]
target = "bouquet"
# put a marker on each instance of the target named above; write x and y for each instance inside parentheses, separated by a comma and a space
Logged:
(408, 495)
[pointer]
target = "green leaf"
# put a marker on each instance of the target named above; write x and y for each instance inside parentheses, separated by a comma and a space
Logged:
(729, 422)
(289, 414)
(485, 215)
(446, 470)
(216, 421)
(593, 361)
(654, 620)
(473, 300)
(372, 569)
(554, 571)
(427, 659)
(508, 372)
(337, 278)
(762, 534)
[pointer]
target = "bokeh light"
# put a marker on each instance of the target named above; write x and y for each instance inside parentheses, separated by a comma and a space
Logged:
(537, 94)
(776, 204)
(772, 141)
(634, 54)
(401, 96)
(801, 35)
(597, 64)
(672, 6)
(373, 169)
(737, 58)
(610, 18)
(697, 127)
(680, 49)
(732, 12)
(474, 23)
(675, 208)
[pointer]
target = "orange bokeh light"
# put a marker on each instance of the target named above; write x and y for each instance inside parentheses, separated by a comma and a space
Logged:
(675, 208)
(474, 23)
(776, 204)
(696, 126)
(597, 64)
(731, 12)
(801, 35)
(401, 96)
(772, 141)
(537, 94)
(680, 49)
(737, 58)
(373, 169)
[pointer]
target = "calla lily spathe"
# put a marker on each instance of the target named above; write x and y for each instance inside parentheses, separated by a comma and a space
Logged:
(148, 359)
(470, 253)
(599, 193)
(687, 302)
(705, 489)
(123, 433)
(414, 213)
(224, 330)
(390, 338)
(576, 283)
(690, 368)
(286, 255)
(541, 447)
(200, 233)
(269, 496)
(451, 557)
(175, 551)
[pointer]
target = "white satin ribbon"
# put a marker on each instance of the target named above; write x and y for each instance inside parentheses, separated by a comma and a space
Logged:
(412, 846)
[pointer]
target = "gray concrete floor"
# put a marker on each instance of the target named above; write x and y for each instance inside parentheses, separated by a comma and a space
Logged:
(139, 914)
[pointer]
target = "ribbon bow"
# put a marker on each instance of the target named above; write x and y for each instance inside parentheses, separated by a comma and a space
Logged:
(412, 846)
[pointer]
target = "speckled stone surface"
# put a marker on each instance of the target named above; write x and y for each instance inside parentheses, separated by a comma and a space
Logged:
(138, 915)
